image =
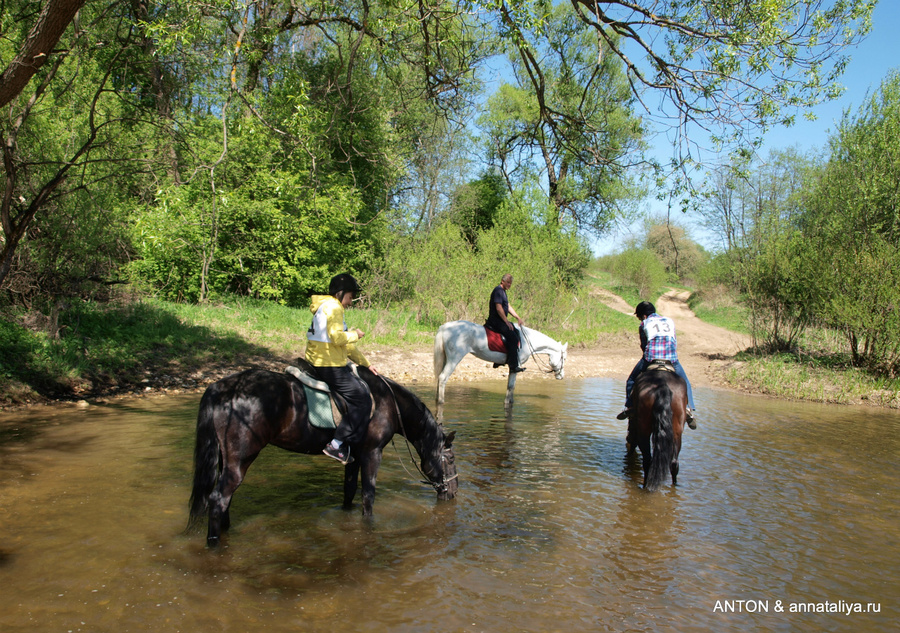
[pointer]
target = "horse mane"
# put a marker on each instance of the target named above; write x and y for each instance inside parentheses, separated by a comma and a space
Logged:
(431, 428)
(540, 339)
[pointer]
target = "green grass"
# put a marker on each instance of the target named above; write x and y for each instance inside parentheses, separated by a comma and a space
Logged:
(734, 317)
(802, 377)
(117, 346)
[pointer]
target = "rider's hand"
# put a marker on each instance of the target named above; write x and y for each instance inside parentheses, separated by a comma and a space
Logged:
(360, 333)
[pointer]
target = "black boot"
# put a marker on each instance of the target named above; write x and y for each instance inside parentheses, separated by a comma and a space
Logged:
(690, 419)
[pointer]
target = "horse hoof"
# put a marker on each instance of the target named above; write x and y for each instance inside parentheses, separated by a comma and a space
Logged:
(212, 542)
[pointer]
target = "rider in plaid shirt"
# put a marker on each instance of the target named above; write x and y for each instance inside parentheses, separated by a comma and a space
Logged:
(658, 343)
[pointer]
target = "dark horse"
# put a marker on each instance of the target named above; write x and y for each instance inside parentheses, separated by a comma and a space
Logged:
(242, 413)
(660, 403)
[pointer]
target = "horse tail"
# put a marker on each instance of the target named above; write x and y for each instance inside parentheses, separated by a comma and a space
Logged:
(440, 356)
(207, 459)
(663, 438)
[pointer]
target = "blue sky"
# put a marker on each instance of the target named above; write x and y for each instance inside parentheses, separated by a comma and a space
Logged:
(870, 63)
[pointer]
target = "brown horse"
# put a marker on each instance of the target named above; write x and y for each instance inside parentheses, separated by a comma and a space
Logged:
(241, 414)
(660, 409)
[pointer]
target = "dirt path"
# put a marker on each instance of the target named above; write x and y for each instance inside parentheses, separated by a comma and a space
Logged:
(705, 350)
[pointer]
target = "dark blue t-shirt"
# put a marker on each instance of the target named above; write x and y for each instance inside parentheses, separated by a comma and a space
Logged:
(495, 321)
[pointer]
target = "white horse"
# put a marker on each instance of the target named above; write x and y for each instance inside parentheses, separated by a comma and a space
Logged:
(457, 338)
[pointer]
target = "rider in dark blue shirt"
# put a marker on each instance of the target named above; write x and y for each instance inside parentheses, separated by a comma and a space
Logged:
(498, 320)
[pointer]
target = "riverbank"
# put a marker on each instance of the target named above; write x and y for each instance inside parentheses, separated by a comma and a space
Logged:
(713, 357)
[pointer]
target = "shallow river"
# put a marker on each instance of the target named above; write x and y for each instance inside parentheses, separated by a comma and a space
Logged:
(779, 507)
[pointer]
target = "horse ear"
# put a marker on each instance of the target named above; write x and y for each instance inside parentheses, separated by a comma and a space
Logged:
(565, 346)
(448, 439)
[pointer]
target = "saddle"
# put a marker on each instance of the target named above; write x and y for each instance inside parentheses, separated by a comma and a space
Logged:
(658, 364)
(495, 341)
(326, 409)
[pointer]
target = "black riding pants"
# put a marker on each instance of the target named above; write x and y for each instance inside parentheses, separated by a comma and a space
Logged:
(342, 380)
(510, 336)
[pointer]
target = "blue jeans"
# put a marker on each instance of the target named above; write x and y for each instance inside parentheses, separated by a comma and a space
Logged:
(641, 366)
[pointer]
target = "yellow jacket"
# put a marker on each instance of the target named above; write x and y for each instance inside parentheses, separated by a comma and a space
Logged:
(329, 343)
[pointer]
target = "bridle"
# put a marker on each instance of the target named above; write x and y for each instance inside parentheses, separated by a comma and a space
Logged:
(539, 362)
(441, 487)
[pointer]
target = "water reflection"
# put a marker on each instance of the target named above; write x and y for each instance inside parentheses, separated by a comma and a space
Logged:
(550, 531)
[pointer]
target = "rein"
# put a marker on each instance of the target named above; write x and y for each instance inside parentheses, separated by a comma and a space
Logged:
(445, 483)
(533, 354)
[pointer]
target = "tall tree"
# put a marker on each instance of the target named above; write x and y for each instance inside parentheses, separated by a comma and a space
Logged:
(45, 159)
(569, 113)
(852, 231)
(720, 68)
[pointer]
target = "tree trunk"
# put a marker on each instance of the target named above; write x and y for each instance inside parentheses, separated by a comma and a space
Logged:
(38, 46)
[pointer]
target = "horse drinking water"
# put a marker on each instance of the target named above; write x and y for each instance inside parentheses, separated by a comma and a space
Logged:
(241, 414)
(656, 422)
(457, 338)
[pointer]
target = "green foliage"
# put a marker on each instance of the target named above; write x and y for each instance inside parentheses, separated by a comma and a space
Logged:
(444, 277)
(853, 231)
(680, 255)
(63, 163)
(778, 292)
(758, 210)
(574, 117)
(637, 268)
(475, 205)
(284, 248)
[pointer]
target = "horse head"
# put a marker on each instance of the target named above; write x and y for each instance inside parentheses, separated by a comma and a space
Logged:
(558, 364)
(439, 466)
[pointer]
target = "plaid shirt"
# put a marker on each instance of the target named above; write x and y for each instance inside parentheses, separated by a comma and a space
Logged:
(662, 346)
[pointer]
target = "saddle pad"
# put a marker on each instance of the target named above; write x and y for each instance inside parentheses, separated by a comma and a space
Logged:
(319, 404)
(495, 341)
(322, 411)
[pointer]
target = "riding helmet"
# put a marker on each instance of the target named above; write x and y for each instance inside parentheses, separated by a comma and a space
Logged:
(344, 282)
(644, 308)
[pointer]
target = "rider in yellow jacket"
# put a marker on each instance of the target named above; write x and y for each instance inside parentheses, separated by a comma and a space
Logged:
(339, 344)
(330, 347)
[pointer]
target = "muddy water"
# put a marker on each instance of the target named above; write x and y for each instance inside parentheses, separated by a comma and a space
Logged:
(778, 505)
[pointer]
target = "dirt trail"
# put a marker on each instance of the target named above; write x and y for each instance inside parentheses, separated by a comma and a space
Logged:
(704, 349)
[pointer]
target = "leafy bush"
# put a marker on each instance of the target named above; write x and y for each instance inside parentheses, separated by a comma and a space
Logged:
(444, 277)
(853, 232)
(639, 268)
(283, 248)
